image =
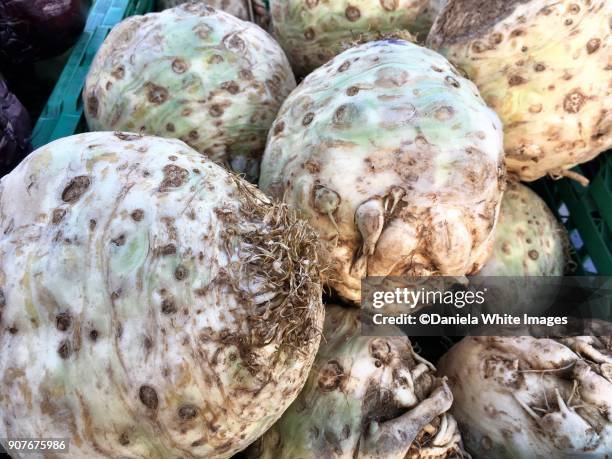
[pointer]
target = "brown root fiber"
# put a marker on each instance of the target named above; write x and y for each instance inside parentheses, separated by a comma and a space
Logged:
(182, 307)
(287, 258)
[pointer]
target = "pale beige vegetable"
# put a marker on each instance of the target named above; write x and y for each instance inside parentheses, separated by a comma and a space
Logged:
(152, 304)
(193, 73)
(395, 160)
(366, 397)
(528, 398)
(545, 67)
(313, 31)
(529, 240)
(247, 10)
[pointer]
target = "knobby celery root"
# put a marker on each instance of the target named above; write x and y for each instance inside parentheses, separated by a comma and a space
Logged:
(527, 397)
(544, 66)
(193, 73)
(314, 31)
(366, 397)
(395, 160)
(151, 303)
(529, 240)
(247, 10)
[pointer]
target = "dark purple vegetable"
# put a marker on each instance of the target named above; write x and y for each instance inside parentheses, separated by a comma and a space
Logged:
(32, 30)
(15, 130)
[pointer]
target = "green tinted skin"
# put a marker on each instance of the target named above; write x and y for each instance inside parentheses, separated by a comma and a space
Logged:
(529, 241)
(314, 31)
(237, 8)
(360, 387)
(193, 73)
(130, 280)
(407, 152)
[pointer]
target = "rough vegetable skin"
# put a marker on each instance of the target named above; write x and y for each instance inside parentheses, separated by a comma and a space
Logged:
(247, 10)
(193, 73)
(545, 67)
(152, 304)
(32, 30)
(238, 8)
(366, 397)
(533, 398)
(529, 241)
(313, 31)
(399, 164)
(15, 130)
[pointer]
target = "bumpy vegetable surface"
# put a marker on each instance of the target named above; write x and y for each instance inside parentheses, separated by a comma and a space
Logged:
(425, 20)
(314, 31)
(31, 30)
(529, 241)
(238, 8)
(544, 66)
(247, 10)
(366, 397)
(15, 129)
(193, 73)
(526, 397)
(396, 161)
(152, 304)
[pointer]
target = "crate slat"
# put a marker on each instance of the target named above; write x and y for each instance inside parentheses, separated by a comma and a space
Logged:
(63, 113)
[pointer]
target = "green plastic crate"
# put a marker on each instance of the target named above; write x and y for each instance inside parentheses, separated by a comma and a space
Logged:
(586, 213)
(63, 114)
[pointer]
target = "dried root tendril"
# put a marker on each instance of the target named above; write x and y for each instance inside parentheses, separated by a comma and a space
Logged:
(563, 173)
(283, 253)
(440, 439)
